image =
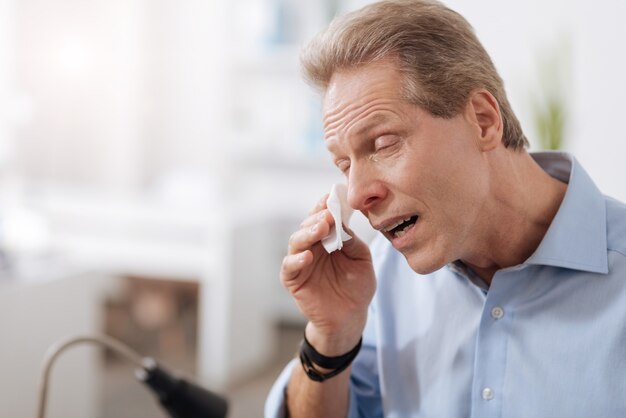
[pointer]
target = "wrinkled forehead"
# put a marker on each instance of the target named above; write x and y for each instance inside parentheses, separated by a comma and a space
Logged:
(353, 88)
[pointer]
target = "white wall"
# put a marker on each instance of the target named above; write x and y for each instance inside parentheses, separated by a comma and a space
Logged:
(600, 93)
(77, 64)
(7, 78)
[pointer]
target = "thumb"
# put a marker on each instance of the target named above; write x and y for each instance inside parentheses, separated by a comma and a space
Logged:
(355, 247)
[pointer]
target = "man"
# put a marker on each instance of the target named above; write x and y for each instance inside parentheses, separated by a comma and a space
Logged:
(497, 287)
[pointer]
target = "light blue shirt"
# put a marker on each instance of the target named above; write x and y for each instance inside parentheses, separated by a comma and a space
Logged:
(548, 338)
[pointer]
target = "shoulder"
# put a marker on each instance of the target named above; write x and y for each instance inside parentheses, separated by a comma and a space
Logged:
(616, 225)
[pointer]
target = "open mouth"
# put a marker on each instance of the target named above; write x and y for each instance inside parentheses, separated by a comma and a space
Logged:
(401, 228)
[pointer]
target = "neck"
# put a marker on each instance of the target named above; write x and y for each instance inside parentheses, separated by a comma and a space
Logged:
(522, 203)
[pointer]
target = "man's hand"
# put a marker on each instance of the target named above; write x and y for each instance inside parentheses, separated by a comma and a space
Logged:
(332, 290)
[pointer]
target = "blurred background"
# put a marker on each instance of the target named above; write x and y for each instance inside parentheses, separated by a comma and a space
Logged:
(156, 155)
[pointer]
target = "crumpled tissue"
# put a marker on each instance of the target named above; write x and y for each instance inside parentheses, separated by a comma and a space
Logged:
(338, 207)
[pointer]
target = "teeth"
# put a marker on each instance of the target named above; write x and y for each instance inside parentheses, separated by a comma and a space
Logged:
(389, 228)
(398, 234)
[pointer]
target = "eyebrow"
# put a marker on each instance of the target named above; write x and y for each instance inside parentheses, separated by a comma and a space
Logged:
(369, 125)
(372, 123)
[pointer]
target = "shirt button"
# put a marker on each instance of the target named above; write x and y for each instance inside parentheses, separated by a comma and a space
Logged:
(497, 312)
(487, 394)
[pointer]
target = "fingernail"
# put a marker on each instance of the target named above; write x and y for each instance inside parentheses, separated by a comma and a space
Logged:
(301, 258)
(314, 229)
(322, 215)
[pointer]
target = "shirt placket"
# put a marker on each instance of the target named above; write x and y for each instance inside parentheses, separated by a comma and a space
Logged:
(490, 359)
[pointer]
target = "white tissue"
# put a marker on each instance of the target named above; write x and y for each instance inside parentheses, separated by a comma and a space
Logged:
(338, 207)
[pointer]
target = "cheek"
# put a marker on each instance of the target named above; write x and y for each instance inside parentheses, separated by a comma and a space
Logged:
(452, 195)
(444, 176)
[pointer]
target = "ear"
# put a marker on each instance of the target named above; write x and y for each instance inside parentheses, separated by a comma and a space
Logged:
(483, 112)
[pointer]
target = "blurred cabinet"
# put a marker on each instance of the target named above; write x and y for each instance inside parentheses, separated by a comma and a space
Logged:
(36, 312)
(228, 253)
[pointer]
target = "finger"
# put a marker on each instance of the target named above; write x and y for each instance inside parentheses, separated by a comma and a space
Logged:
(306, 237)
(321, 204)
(324, 214)
(293, 265)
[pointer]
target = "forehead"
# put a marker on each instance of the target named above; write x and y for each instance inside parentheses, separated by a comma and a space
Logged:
(355, 87)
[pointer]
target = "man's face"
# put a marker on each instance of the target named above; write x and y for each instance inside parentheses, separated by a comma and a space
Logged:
(419, 179)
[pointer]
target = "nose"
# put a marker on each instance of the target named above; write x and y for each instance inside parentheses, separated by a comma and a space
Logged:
(365, 190)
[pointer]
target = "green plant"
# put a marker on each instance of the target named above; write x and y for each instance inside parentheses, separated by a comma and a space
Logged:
(550, 105)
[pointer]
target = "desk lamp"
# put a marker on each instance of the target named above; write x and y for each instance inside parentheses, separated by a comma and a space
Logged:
(179, 397)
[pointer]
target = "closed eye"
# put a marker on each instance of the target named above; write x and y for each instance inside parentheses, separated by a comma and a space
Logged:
(343, 165)
(385, 141)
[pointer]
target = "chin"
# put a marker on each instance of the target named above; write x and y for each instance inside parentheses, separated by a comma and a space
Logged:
(425, 265)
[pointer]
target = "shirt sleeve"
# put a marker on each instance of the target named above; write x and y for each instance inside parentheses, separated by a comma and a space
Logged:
(275, 406)
(365, 395)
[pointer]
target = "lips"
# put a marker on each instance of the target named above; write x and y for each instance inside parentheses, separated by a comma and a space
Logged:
(398, 227)
(395, 224)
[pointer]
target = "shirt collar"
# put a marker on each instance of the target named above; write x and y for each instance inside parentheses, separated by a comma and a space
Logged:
(576, 238)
